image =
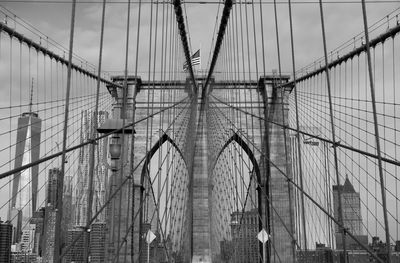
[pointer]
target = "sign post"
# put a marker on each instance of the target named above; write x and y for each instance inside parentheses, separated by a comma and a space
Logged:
(149, 238)
(263, 238)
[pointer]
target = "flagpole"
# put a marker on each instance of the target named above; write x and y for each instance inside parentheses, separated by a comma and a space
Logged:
(201, 69)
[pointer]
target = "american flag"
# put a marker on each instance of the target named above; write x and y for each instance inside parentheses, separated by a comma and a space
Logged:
(195, 58)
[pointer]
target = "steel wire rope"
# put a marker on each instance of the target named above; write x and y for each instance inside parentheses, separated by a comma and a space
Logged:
(38, 111)
(162, 67)
(10, 92)
(375, 179)
(394, 162)
(251, 199)
(284, 131)
(175, 65)
(8, 173)
(366, 143)
(28, 26)
(390, 193)
(378, 147)
(313, 185)
(395, 127)
(236, 187)
(132, 153)
(359, 36)
(297, 121)
(94, 134)
(65, 251)
(129, 228)
(124, 115)
(149, 78)
(249, 75)
(21, 154)
(237, 77)
(31, 44)
(158, 225)
(166, 52)
(272, 206)
(213, 34)
(332, 218)
(24, 186)
(187, 25)
(355, 52)
(59, 204)
(107, 202)
(324, 210)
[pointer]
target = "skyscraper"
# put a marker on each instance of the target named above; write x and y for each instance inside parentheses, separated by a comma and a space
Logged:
(49, 234)
(68, 206)
(52, 186)
(38, 220)
(97, 242)
(5, 241)
(244, 230)
(76, 251)
(351, 210)
(50, 214)
(25, 183)
(351, 207)
(100, 169)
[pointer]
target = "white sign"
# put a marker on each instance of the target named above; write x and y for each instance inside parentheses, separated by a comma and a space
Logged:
(150, 237)
(263, 236)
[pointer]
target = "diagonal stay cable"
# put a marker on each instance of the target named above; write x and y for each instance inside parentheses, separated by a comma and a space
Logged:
(8, 173)
(181, 25)
(100, 210)
(12, 33)
(221, 32)
(334, 144)
(290, 180)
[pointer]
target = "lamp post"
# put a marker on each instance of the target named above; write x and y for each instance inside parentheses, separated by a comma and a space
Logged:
(123, 90)
(114, 150)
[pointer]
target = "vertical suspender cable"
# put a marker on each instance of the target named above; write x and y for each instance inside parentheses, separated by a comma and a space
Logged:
(59, 204)
(148, 108)
(328, 83)
(132, 155)
(123, 117)
(94, 136)
(285, 132)
(262, 37)
(297, 127)
(377, 140)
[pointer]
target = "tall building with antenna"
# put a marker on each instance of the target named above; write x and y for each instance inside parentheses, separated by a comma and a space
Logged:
(25, 182)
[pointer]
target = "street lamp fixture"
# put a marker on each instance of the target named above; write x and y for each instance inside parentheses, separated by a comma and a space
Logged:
(115, 152)
(117, 126)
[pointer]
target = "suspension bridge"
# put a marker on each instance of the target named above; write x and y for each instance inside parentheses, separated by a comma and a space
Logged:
(253, 158)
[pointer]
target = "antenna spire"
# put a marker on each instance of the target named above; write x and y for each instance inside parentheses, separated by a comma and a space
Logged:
(31, 98)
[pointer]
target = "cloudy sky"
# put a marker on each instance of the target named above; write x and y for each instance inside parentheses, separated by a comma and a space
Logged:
(343, 21)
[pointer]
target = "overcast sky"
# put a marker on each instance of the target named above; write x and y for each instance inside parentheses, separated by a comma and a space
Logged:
(343, 21)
